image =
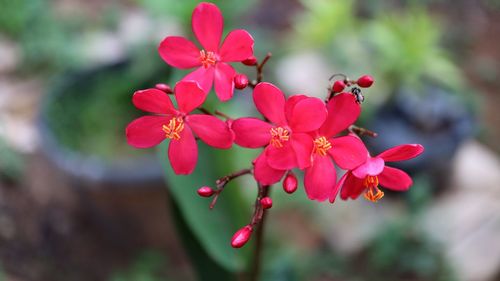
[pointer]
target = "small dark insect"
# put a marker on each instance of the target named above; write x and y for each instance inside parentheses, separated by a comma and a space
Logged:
(358, 95)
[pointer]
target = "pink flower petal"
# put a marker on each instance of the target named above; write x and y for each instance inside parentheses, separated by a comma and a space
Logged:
(402, 152)
(211, 130)
(348, 152)
(179, 52)
(238, 46)
(146, 131)
(290, 104)
(372, 167)
(342, 112)
(338, 186)
(282, 158)
(264, 173)
(352, 187)
(270, 102)
(302, 145)
(395, 179)
(153, 100)
(189, 96)
(204, 77)
(307, 115)
(320, 178)
(224, 81)
(183, 153)
(207, 24)
(251, 132)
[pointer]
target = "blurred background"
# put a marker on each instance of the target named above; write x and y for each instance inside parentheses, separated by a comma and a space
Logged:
(76, 203)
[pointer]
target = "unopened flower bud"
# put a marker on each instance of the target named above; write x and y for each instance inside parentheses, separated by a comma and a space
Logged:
(205, 191)
(240, 81)
(338, 86)
(250, 61)
(290, 183)
(266, 202)
(241, 237)
(164, 88)
(365, 81)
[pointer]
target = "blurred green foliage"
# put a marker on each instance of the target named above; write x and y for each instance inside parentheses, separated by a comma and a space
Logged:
(398, 47)
(15, 15)
(323, 22)
(11, 163)
(148, 266)
(182, 10)
(400, 251)
(88, 111)
(407, 47)
(45, 41)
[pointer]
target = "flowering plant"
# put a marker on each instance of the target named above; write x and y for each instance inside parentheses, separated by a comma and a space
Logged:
(297, 132)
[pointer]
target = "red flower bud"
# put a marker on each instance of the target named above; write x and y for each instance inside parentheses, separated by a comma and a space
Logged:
(241, 237)
(290, 183)
(250, 61)
(266, 202)
(205, 191)
(338, 86)
(164, 87)
(365, 81)
(240, 81)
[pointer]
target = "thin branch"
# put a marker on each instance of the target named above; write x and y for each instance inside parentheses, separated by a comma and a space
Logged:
(221, 114)
(260, 71)
(221, 183)
(260, 67)
(258, 218)
(204, 110)
(362, 131)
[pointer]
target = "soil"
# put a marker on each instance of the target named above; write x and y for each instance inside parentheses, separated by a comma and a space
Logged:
(52, 230)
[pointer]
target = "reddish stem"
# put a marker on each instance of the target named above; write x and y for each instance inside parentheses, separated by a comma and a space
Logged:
(258, 218)
(204, 110)
(221, 183)
(221, 114)
(260, 68)
(362, 131)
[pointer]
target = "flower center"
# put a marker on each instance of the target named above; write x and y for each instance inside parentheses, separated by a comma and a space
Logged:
(372, 193)
(321, 146)
(278, 136)
(207, 58)
(174, 128)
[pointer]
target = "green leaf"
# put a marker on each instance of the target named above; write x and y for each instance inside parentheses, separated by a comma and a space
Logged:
(212, 228)
(206, 267)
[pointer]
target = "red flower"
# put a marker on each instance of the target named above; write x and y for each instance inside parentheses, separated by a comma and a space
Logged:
(347, 151)
(207, 24)
(373, 172)
(287, 143)
(264, 173)
(176, 124)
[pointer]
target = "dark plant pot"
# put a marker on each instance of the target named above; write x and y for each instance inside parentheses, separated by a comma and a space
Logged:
(436, 118)
(85, 168)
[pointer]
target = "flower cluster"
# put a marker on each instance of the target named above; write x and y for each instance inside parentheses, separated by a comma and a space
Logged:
(297, 132)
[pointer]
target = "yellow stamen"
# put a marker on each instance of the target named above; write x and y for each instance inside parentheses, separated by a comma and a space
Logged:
(174, 128)
(321, 146)
(278, 136)
(372, 193)
(207, 58)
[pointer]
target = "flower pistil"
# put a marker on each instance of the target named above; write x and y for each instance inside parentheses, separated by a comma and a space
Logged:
(372, 193)
(278, 136)
(321, 146)
(207, 58)
(174, 128)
